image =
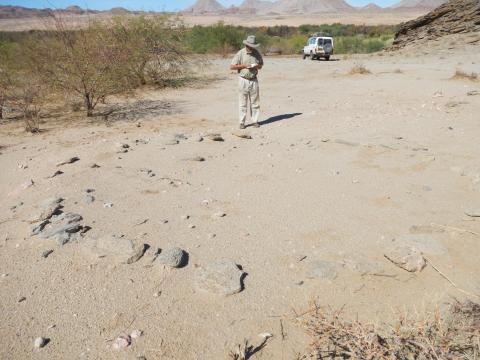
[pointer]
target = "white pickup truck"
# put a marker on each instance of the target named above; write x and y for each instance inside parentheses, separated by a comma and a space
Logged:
(318, 47)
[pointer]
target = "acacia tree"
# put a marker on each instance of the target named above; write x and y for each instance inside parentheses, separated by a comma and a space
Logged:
(153, 47)
(86, 62)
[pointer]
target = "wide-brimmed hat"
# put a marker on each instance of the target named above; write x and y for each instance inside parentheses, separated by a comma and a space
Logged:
(251, 42)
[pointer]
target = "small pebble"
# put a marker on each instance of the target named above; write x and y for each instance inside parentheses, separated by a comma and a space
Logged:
(219, 214)
(107, 205)
(40, 342)
(122, 342)
(22, 299)
(136, 334)
(46, 253)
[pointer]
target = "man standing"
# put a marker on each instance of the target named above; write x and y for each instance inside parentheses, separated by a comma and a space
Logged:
(247, 62)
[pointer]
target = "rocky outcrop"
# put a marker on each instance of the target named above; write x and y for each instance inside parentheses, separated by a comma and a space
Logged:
(418, 4)
(453, 17)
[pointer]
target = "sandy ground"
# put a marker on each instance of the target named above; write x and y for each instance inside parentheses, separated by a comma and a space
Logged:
(383, 18)
(343, 167)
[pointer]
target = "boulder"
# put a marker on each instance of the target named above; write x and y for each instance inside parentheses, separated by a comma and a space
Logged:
(174, 257)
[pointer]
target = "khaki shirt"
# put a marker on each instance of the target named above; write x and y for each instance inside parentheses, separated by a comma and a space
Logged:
(244, 58)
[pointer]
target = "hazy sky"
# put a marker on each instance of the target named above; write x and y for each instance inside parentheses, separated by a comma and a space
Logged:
(156, 5)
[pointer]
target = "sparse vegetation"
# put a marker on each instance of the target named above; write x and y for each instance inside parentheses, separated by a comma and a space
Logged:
(454, 334)
(463, 75)
(88, 64)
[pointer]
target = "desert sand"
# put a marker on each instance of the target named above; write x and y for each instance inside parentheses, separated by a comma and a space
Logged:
(344, 168)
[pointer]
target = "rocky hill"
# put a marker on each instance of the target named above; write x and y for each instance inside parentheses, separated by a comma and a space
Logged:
(373, 8)
(19, 12)
(256, 6)
(205, 7)
(15, 12)
(418, 4)
(453, 17)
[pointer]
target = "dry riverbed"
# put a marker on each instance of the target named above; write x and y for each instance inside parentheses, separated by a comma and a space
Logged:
(155, 239)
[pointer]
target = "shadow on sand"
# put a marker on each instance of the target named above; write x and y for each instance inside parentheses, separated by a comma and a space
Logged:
(278, 118)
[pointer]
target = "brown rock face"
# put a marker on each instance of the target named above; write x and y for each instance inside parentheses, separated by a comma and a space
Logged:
(453, 17)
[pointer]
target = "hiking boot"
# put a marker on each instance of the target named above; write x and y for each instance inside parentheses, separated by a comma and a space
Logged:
(242, 126)
(256, 125)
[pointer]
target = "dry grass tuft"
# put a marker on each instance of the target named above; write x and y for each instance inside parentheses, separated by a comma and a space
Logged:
(463, 75)
(453, 335)
(241, 351)
(245, 351)
(359, 69)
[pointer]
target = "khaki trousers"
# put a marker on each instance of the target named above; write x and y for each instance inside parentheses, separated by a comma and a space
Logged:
(248, 90)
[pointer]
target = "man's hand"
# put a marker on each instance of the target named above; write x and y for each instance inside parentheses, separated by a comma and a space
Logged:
(238, 67)
(243, 66)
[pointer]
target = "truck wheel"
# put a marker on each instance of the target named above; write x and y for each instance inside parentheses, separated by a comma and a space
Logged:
(312, 57)
(304, 56)
(327, 57)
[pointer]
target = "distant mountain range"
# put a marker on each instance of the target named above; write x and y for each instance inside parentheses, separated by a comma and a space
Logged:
(285, 7)
(255, 7)
(18, 12)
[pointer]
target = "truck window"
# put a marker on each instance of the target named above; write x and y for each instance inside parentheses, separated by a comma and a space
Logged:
(320, 42)
(328, 41)
(312, 41)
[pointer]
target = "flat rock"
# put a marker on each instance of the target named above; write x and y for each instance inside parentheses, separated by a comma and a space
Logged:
(69, 161)
(120, 249)
(62, 227)
(321, 269)
(423, 243)
(47, 209)
(407, 258)
(242, 135)
(221, 277)
(214, 137)
(473, 212)
(173, 257)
